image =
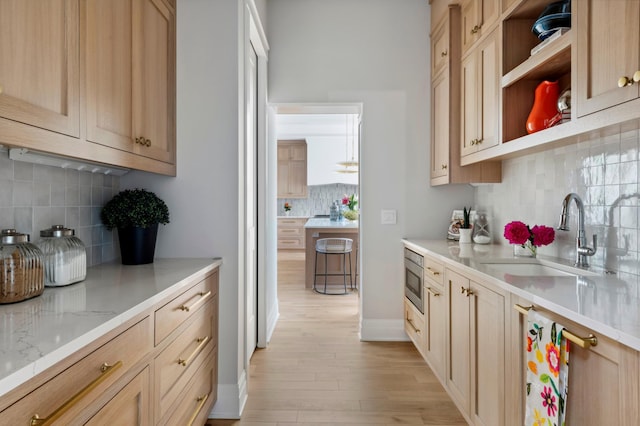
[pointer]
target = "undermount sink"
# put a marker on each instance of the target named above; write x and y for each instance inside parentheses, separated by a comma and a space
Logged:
(532, 267)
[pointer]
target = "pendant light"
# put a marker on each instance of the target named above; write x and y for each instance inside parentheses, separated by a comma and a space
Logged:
(348, 166)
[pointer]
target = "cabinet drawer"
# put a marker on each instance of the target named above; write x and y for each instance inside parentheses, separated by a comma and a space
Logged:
(433, 271)
(121, 353)
(290, 243)
(178, 361)
(414, 325)
(291, 222)
(199, 396)
(289, 232)
(181, 308)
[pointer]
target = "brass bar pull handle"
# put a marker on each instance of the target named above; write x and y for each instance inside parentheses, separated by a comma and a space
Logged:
(106, 370)
(203, 297)
(524, 310)
(433, 292)
(415, 329)
(431, 271)
(202, 341)
(475, 29)
(583, 342)
(201, 400)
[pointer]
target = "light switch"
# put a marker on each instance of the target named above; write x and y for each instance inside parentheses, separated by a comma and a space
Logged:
(388, 217)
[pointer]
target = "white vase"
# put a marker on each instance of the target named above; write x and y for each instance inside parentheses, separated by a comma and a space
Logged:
(465, 236)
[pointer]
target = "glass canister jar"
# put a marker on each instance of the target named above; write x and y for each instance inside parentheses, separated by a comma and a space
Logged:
(65, 257)
(481, 228)
(21, 267)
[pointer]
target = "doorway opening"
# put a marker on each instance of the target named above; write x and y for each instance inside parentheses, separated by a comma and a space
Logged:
(318, 152)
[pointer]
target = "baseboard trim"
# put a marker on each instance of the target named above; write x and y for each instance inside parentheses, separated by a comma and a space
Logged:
(231, 400)
(375, 330)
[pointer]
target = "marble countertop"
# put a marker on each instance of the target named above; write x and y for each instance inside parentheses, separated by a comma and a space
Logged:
(608, 304)
(317, 222)
(39, 332)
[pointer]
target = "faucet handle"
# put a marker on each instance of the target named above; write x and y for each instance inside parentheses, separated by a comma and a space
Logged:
(589, 251)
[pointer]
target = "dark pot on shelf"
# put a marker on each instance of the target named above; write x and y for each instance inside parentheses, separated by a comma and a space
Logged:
(137, 245)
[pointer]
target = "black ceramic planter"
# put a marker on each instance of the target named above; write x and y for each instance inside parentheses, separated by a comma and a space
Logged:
(137, 245)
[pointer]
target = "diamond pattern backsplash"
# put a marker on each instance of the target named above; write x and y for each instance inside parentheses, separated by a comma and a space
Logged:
(319, 199)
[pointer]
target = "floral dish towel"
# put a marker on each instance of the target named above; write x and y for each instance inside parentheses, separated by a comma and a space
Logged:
(547, 372)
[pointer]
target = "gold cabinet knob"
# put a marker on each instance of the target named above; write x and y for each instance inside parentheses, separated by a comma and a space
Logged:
(479, 141)
(636, 78)
(444, 53)
(147, 142)
(444, 167)
(475, 29)
(462, 290)
(469, 292)
(624, 81)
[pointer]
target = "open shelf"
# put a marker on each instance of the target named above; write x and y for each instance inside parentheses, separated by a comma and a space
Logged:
(552, 61)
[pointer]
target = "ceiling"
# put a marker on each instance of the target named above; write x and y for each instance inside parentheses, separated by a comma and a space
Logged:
(293, 126)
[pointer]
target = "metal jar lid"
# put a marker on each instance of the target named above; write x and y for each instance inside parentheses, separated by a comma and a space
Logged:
(11, 236)
(57, 231)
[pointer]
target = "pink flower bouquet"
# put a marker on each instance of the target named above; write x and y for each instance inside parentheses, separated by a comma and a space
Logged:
(531, 238)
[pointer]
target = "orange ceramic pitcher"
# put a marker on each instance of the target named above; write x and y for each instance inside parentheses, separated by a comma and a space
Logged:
(544, 113)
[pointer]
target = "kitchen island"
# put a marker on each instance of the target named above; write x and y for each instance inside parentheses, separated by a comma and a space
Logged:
(317, 228)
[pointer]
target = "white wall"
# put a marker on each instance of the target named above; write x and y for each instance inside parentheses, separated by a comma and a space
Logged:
(204, 196)
(375, 52)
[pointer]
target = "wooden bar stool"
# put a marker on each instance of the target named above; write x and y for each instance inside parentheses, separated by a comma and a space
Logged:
(331, 247)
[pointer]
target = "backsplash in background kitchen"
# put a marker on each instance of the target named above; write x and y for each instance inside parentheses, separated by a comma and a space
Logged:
(319, 199)
(604, 172)
(34, 197)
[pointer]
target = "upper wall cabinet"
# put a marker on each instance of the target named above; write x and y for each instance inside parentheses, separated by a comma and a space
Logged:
(90, 79)
(608, 68)
(445, 108)
(130, 76)
(477, 19)
(480, 107)
(292, 169)
(39, 64)
(598, 59)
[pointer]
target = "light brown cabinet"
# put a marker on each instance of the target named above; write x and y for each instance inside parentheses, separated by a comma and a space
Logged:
(130, 76)
(144, 372)
(603, 383)
(435, 314)
(39, 64)
(292, 169)
(95, 81)
(477, 18)
(291, 233)
(77, 392)
(480, 94)
(414, 325)
(476, 348)
(445, 109)
(130, 406)
(606, 53)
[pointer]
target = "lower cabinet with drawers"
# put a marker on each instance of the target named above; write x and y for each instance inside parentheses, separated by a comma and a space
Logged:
(158, 368)
(291, 232)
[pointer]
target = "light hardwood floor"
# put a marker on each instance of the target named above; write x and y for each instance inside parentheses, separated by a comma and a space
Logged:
(317, 372)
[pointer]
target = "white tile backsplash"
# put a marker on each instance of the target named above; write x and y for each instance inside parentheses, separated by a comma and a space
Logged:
(35, 197)
(604, 172)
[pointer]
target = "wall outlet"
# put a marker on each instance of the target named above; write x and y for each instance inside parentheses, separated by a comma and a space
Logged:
(388, 217)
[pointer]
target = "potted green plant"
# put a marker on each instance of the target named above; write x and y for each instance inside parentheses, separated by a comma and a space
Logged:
(136, 213)
(465, 227)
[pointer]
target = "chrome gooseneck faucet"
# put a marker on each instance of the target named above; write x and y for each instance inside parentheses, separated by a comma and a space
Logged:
(582, 250)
